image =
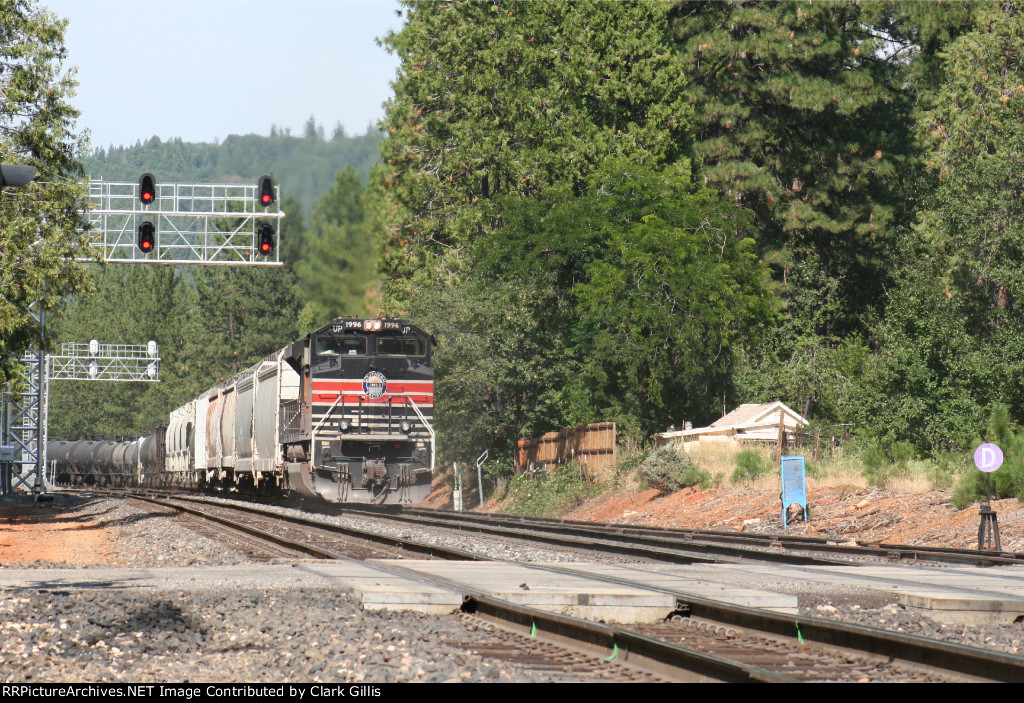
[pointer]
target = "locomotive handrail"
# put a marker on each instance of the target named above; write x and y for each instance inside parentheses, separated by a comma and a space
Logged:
(408, 396)
(430, 431)
(329, 411)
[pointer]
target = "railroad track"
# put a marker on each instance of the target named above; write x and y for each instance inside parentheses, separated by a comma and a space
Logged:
(708, 543)
(704, 640)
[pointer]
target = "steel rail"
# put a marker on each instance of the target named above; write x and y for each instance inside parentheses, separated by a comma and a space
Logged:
(634, 545)
(588, 544)
(429, 550)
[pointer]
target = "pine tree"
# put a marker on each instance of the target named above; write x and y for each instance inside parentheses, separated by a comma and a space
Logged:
(801, 118)
(337, 266)
(511, 98)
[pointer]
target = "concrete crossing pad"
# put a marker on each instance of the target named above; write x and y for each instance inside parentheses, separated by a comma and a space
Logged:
(965, 594)
(581, 595)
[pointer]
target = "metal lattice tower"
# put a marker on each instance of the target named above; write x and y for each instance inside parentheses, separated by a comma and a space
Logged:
(24, 424)
(23, 418)
(194, 223)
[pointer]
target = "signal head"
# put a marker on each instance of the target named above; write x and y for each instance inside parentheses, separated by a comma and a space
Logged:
(265, 239)
(147, 237)
(266, 191)
(147, 189)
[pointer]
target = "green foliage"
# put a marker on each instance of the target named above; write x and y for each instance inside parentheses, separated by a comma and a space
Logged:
(511, 98)
(976, 129)
(945, 467)
(799, 369)
(878, 470)
(549, 494)
(38, 223)
(336, 266)
(670, 470)
(800, 117)
(628, 462)
(210, 324)
(1008, 480)
(676, 287)
(513, 181)
(502, 365)
(749, 465)
(931, 381)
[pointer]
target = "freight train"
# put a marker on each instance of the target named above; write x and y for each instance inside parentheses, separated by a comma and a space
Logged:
(344, 414)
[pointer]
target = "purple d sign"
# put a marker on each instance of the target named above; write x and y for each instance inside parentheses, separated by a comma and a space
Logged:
(988, 457)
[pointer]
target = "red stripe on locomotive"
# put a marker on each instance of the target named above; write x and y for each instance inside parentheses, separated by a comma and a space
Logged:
(421, 392)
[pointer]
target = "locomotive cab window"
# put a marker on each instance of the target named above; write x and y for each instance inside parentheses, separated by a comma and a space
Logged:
(340, 346)
(401, 346)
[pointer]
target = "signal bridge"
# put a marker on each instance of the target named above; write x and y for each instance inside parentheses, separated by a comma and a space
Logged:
(180, 223)
(105, 362)
(135, 223)
(23, 417)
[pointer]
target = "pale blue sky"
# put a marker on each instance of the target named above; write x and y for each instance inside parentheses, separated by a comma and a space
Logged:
(204, 69)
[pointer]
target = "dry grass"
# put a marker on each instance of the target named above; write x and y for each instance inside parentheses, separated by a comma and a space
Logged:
(717, 458)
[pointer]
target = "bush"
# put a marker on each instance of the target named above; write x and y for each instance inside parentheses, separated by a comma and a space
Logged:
(669, 470)
(749, 465)
(628, 462)
(542, 494)
(881, 467)
(943, 470)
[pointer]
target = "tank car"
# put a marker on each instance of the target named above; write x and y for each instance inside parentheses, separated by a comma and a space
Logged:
(103, 463)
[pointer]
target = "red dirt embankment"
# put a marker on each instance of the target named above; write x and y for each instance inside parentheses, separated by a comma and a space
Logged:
(838, 512)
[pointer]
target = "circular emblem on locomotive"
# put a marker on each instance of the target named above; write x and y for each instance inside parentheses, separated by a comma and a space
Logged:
(375, 385)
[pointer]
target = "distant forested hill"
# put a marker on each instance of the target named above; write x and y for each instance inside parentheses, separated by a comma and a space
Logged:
(304, 166)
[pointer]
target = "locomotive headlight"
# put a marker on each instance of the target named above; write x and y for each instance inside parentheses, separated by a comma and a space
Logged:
(405, 426)
(371, 325)
(345, 424)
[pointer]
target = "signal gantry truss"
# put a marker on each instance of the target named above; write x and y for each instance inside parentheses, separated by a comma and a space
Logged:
(23, 417)
(215, 224)
(105, 362)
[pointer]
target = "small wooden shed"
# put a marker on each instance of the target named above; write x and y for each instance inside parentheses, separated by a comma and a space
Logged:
(749, 423)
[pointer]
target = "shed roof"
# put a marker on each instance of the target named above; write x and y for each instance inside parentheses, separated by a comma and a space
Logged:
(748, 415)
(751, 413)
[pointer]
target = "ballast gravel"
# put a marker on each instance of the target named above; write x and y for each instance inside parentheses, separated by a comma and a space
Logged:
(262, 635)
(254, 635)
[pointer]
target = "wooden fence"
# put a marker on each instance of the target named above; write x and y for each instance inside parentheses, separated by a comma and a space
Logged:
(591, 445)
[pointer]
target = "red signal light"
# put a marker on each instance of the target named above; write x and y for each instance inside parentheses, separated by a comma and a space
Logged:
(147, 237)
(147, 189)
(265, 239)
(266, 188)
